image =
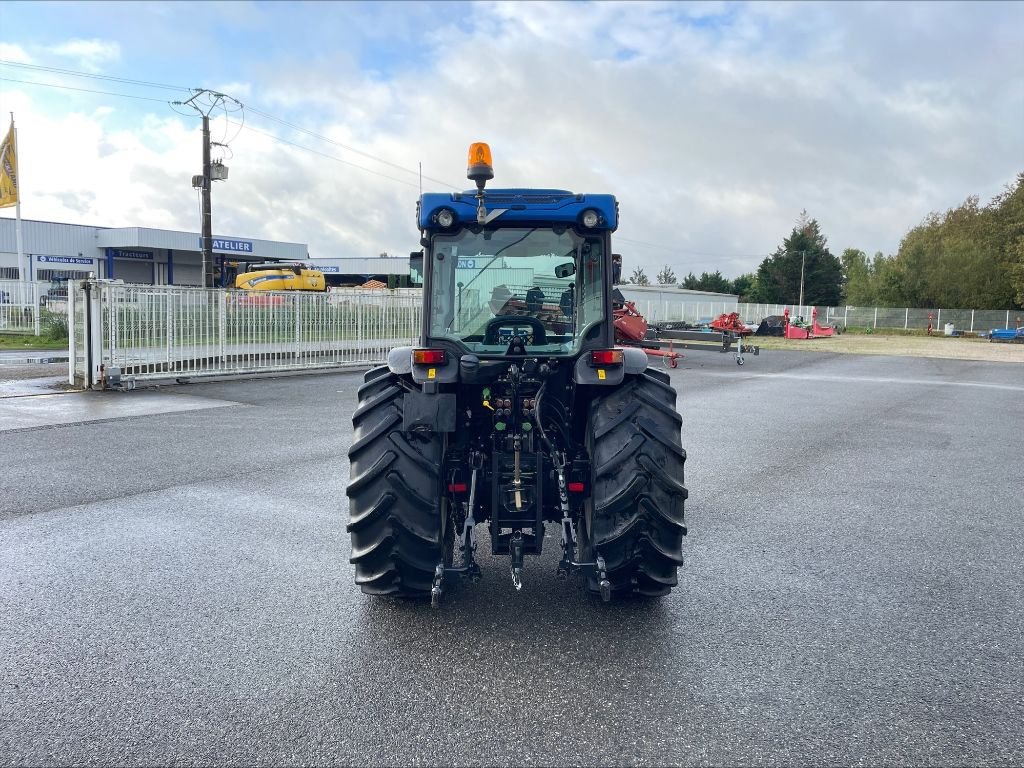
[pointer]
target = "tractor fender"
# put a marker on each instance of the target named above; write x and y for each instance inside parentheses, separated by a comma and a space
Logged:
(400, 360)
(634, 360)
(602, 376)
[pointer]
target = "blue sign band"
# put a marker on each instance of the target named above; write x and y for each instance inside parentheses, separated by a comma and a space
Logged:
(63, 260)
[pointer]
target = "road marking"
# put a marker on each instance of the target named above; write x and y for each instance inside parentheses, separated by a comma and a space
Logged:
(871, 380)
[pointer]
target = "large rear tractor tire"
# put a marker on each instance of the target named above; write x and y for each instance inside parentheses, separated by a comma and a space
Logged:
(635, 518)
(394, 492)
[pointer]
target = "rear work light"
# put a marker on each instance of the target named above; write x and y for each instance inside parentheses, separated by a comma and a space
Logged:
(606, 357)
(428, 357)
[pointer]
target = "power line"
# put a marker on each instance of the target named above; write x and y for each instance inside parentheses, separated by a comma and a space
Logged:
(95, 76)
(691, 253)
(83, 90)
(238, 106)
(252, 110)
(250, 128)
(331, 157)
(262, 114)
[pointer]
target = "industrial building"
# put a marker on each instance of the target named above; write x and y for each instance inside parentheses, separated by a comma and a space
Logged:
(54, 251)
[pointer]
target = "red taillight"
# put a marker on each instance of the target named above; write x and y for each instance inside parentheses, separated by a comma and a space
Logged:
(457, 487)
(576, 487)
(606, 357)
(428, 357)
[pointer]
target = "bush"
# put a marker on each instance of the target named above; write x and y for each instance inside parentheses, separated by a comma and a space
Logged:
(53, 325)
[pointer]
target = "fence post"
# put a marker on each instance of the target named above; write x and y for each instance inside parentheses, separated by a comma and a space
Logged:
(906, 319)
(298, 324)
(972, 321)
(72, 350)
(1007, 319)
(169, 328)
(938, 320)
(35, 307)
(358, 306)
(846, 316)
(94, 334)
(222, 334)
(875, 324)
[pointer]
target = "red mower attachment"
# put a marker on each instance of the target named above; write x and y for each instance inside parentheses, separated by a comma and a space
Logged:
(791, 331)
(731, 323)
(820, 330)
(804, 331)
(631, 331)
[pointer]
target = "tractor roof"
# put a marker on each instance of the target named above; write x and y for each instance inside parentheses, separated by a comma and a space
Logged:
(520, 206)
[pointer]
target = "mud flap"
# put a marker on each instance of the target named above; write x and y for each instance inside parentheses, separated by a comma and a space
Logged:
(428, 413)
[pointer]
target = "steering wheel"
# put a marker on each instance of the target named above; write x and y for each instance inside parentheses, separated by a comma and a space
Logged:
(540, 335)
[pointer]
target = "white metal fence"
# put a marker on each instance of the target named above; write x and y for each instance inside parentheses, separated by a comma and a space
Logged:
(153, 332)
(907, 318)
(26, 306)
(159, 332)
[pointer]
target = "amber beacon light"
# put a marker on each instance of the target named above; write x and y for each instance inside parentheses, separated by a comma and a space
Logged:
(479, 166)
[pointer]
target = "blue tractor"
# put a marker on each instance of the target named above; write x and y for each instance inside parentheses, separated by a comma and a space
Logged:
(516, 409)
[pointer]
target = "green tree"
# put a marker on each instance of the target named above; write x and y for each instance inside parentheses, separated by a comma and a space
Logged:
(778, 276)
(715, 282)
(639, 277)
(858, 288)
(967, 257)
(666, 276)
(708, 281)
(743, 285)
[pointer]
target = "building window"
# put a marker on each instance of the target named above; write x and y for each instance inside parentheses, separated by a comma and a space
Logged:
(9, 273)
(54, 275)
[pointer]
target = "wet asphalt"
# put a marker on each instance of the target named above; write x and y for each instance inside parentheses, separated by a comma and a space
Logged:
(175, 587)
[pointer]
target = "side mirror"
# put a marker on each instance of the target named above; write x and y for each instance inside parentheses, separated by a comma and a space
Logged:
(564, 270)
(416, 269)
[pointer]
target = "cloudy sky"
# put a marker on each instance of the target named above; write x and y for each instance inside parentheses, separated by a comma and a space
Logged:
(713, 123)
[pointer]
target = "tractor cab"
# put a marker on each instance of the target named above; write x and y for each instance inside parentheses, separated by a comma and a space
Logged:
(509, 269)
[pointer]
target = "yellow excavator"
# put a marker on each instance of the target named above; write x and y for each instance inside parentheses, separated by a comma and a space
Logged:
(280, 276)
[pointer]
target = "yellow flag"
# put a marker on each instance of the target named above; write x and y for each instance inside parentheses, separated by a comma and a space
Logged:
(8, 170)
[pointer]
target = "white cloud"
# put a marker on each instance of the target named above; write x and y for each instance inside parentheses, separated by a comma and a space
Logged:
(90, 55)
(13, 52)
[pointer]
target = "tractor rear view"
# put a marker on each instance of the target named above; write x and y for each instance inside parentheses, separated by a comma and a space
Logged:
(516, 409)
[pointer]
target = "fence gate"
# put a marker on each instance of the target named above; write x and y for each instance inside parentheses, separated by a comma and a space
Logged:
(149, 333)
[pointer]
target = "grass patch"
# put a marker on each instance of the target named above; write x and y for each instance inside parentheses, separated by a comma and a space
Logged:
(862, 331)
(28, 341)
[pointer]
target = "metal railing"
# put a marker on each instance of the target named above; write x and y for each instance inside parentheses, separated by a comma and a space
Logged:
(159, 332)
(891, 318)
(24, 305)
(173, 332)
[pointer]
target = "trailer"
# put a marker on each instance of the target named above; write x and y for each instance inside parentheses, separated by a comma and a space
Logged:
(633, 330)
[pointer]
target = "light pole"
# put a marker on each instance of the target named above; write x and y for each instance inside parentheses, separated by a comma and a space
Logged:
(803, 260)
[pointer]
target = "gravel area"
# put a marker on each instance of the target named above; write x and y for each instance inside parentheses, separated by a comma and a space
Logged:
(940, 347)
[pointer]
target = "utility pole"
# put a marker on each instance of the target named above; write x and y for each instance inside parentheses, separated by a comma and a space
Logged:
(204, 106)
(208, 214)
